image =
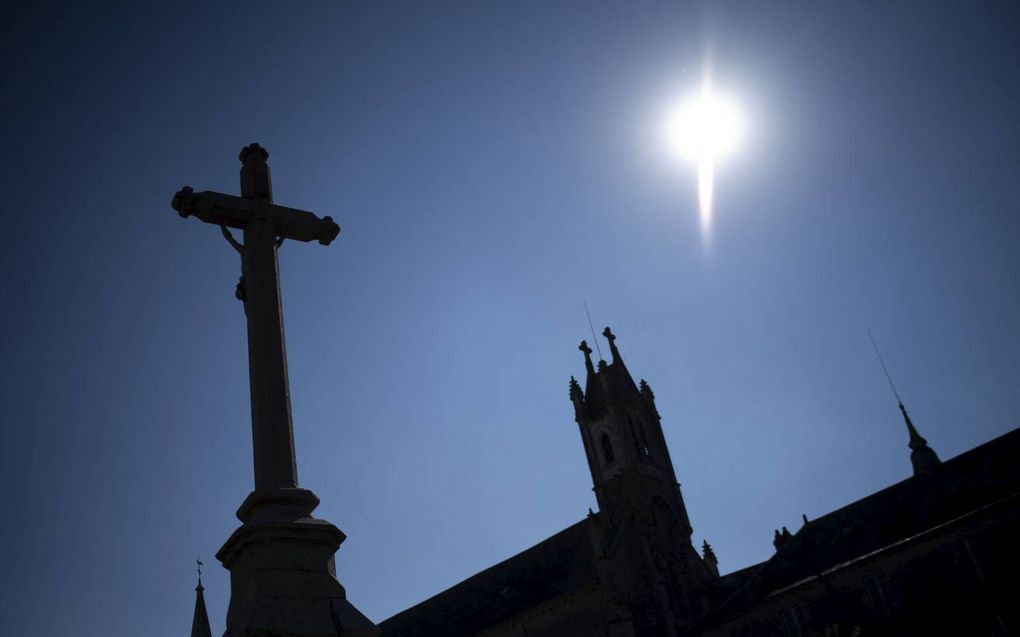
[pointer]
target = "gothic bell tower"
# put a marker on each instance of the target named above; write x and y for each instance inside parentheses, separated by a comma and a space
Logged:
(645, 533)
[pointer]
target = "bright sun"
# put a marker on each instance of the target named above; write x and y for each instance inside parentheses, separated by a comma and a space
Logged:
(704, 129)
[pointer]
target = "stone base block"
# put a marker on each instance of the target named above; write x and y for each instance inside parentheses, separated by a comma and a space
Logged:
(283, 582)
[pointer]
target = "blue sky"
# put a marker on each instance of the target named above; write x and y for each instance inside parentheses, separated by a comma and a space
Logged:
(493, 165)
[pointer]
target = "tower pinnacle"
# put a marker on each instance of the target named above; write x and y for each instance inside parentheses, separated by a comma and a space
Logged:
(612, 344)
(200, 621)
(587, 357)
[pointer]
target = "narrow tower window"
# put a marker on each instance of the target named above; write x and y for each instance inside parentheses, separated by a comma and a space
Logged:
(607, 449)
(642, 444)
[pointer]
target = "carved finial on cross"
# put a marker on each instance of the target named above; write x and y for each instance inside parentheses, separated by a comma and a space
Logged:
(255, 180)
(253, 151)
(609, 335)
(584, 348)
(198, 561)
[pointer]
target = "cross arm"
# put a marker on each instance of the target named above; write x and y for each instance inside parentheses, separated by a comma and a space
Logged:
(235, 212)
(213, 207)
(304, 226)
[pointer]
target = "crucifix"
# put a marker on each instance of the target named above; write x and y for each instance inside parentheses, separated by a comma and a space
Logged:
(282, 573)
(264, 226)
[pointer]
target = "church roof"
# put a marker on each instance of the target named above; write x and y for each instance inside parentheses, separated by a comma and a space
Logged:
(556, 566)
(975, 479)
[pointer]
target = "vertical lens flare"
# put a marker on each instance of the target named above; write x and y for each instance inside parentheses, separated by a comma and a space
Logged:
(704, 129)
(705, 187)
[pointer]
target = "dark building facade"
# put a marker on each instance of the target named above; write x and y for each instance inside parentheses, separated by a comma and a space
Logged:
(934, 554)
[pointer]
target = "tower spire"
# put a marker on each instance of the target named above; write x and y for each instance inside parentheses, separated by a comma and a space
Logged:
(200, 622)
(922, 457)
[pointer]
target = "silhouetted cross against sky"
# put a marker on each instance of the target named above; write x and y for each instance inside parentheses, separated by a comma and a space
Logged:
(265, 225)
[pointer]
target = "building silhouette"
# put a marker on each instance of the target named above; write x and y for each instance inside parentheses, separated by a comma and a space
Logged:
(935, 554)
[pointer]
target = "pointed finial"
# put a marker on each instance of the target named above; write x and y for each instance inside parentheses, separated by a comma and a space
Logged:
(200, 621)
(587, 357)
(575, 389)
(577, 397)
(922, 457)
(646, 392)
(646, 389)
(709, 558)
(916, 440)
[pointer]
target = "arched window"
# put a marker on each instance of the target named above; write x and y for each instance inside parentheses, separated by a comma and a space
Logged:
(607, 449)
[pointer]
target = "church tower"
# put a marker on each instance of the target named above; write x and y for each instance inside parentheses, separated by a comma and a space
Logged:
(642, 519)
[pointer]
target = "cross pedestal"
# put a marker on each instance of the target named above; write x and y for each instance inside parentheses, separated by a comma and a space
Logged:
(282, 574)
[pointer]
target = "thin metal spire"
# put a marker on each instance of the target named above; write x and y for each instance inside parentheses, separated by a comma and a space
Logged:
(884, 368)
(594, 338)
(922, 457)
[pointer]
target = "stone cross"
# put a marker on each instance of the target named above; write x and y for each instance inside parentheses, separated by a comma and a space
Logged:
(264, 225)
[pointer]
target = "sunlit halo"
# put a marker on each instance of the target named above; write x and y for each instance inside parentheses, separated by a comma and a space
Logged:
(704, 129)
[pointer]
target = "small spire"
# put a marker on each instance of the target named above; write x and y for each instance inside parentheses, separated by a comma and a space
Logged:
(922, 457)
(575, 390)
(577, 397)
(709, 558)
(646, 389)
(612, 344)
(706, 549)
(587, 357)
(200, 621)
(646, 392)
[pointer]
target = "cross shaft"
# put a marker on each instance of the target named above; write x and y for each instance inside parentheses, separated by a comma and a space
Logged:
(264, 226)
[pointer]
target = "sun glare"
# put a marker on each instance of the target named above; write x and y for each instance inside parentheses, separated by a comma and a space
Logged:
(704, 129)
